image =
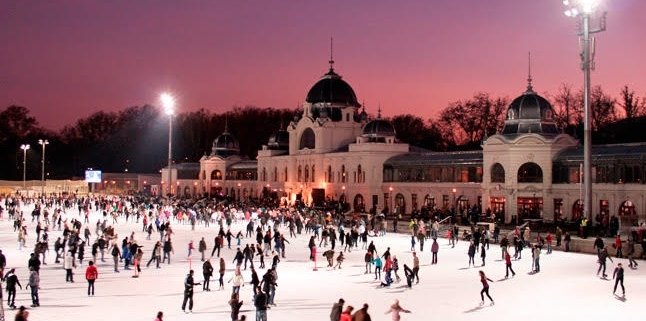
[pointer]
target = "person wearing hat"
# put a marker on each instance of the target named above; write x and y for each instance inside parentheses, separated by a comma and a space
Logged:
(337, 307)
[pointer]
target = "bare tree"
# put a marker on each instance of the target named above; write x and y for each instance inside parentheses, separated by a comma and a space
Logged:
(468, 121)
(602, 107)
(633, 106)
(568, 108)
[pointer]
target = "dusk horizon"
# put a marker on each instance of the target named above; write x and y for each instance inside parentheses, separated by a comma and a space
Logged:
(66, 61)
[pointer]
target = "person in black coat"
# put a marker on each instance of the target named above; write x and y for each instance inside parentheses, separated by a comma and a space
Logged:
(207, 271)
(188, 292)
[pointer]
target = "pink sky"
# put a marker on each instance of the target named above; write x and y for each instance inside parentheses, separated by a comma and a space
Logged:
(68, 59)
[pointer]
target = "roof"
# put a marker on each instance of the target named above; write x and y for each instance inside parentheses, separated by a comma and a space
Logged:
(244, 165)
(436, 158)
(601, 153)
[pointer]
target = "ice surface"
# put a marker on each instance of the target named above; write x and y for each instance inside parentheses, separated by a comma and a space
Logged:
(566, 288)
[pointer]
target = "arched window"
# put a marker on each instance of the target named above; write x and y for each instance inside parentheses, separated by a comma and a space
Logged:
(264, 174)
(275, 174)
(307, 173)
(313, 174)
(308, 139)
(429, 201)
(330, 174)
(285, 174)
(343, 174)
(627, 208)
(497, 173)
(530, 173)
(359, 175)
(216, 174)
(299, 173)
(400, 204)
(359, 205)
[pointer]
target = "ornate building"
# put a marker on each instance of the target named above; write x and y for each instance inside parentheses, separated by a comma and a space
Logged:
(529, 170)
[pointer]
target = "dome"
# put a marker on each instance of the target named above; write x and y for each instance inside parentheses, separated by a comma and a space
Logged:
(332, 89)
(279, 140)
(530, 113)
(225, 145)
(378, 129)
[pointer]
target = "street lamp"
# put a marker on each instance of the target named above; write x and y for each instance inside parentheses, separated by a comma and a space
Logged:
(168, 102)
(43, 142)
(591, 20)
(455, 206)
(24, 148)
(390, 200)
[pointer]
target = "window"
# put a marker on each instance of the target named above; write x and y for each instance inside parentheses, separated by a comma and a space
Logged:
(285, 174)
(307, 173)
(275, 175)
(330, 174)
(299, 173)
(414, 201)
(530, 173)
(263, 176)
(313, 174)
(308, 139)
(359, 175)
(497, 173)
(216, 174)
(343, 174)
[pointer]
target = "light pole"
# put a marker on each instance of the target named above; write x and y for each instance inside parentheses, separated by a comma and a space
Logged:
(591, 20)
(168, 102)
(43, 142)
(24, 148)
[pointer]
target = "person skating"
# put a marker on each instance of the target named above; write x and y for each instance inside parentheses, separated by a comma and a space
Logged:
(237, 280)
(91, 274)
(362, 314)
(68, 265)
(471, 252)
(235, 304)
(339, 260)
(485, 287)
(603, 255)
(483, 253)
(409, 275)
(536, 256)
(160, 316)
(260, 302)
(329, 255)
(337, 308)
(346, 315)
(508, 264)
(33, 284)
(201, 247)
(221, 271)
(435, 247)
(378, 264)
(416, 266)
(367, 258)
(618, 276)
(22, 314)
(12, 280)
(207, 272)
(188, 292)
(395, 309)
(630, 253)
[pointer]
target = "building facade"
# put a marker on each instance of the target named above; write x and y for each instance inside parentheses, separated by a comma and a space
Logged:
(334, 152)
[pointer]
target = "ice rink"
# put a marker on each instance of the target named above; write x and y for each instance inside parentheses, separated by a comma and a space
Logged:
(567, 288)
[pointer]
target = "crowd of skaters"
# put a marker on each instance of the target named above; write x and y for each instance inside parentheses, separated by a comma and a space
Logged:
(323, 229)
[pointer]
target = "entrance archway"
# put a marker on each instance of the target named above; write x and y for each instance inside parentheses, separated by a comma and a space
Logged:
(359, 203)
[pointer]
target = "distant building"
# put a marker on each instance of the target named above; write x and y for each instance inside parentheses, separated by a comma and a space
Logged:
(333, 152)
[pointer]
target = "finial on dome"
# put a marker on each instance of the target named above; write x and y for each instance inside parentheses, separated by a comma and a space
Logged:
(379, 112)
(331, 54)
(529, 73)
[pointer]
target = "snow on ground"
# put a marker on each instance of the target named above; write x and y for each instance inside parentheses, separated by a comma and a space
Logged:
(567, 286)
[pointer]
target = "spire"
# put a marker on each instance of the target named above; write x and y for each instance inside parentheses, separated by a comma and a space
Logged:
(379, 112)
(331, 54)
(529, 73)
(226, 123)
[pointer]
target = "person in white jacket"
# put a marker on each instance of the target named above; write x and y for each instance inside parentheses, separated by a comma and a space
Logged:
(68, 265)
(237, 280)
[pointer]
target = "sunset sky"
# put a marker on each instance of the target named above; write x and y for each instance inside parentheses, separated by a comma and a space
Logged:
(70, 58)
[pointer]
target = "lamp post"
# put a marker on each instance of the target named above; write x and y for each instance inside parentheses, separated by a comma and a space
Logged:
(168, 102)
(591, 20)
(42, 142)
(24, 148)
(390, 200)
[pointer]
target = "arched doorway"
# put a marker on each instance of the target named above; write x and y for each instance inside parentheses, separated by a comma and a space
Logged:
(400, 204)
(627, 208)
(187, 191)
(577, 210)
(359, 203)
(429, 201)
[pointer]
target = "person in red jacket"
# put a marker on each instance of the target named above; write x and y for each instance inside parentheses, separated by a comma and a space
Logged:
(347, 314)
(91, 274)
(548, 240)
